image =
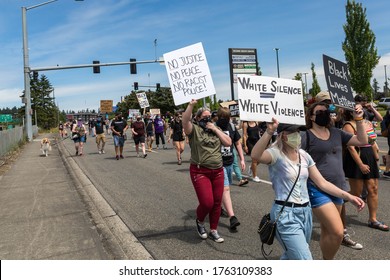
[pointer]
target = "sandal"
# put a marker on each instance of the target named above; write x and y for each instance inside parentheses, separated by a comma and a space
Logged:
(243, 182)
(378, 225)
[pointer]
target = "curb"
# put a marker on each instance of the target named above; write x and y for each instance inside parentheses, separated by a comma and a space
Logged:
(116, 236)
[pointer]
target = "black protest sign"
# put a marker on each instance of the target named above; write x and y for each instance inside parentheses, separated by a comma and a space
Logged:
(337, 80)
(234, 110)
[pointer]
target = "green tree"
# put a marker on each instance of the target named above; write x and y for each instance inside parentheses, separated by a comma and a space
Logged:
(43, 103)
(359, 48)
(315, 86)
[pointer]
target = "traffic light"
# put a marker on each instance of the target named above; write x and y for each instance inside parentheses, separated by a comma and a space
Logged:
(35, 75)
(96, 69)
(158, 87)
(135, 85)
(133, 66)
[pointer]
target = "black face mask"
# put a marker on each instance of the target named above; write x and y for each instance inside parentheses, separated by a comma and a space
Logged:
(203, 122)
(223, 123)
(322, 118)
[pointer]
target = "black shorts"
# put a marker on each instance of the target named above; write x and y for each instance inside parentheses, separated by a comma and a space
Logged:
(351, 169)
(139, 139)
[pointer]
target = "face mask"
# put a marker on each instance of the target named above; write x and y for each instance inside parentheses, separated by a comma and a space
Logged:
(203, 122)
(138, 119)
(294, 140)
(79, 123)
(323, 118)
(223, 123)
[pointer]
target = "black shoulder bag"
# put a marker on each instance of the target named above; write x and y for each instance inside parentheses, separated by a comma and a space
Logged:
(267, 228)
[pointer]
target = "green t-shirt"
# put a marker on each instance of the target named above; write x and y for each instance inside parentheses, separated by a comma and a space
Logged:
(205, 148)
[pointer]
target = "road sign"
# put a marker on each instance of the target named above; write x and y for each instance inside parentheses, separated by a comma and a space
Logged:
(4, 118)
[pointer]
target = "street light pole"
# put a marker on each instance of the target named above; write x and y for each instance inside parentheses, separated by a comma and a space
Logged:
(305, 83)
(27, 69)
(386, 83)
(277, 60)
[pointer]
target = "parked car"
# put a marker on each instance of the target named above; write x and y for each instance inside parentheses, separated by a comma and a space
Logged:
(384, 101)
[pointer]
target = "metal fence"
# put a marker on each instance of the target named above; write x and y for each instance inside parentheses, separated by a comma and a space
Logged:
(10, 138)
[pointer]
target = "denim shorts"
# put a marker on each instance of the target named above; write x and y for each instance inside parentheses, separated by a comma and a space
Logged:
(227, 175)
(119, 141)
(319, 198)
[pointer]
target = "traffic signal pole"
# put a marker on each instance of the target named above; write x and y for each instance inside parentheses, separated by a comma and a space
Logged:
(50, 68)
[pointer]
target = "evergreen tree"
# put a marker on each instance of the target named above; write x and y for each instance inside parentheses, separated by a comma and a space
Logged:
(359, 48)
(315, 87)
(43, 103)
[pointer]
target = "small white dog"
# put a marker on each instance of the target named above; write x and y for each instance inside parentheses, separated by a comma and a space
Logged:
(45, 146)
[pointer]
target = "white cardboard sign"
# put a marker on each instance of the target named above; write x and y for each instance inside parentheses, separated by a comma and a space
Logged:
(261, 98)
(189, 74)
(142, 99)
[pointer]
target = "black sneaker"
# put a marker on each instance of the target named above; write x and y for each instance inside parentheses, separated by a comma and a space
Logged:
(386, 174)
(145, 155)
(224, 213)
(213, 235)
(234, 223)
(201, 230)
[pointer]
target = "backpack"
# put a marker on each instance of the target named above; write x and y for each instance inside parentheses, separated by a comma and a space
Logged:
(384, 129)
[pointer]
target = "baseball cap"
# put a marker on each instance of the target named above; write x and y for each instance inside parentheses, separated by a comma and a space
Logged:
(290, 127)
(322, 96)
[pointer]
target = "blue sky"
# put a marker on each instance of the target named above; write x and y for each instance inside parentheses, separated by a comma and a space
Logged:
(68, 32)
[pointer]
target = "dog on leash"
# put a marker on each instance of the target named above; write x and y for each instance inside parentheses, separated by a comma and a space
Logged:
(45, 146)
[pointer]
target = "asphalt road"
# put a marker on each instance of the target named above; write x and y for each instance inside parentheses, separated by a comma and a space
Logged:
(155, 198)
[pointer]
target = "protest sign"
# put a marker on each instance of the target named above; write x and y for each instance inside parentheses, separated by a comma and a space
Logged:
(106, 106)
(133, 113)
(189, 74)
(155, 112)
(142, 99)
(337, 80)
(261, 98)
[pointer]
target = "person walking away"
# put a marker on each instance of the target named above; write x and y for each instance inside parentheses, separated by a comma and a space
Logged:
(325, 145)
(206, 170)
(159, 127)
(138, 129)
(361, 169)
(224, 124)
(79, 136)
(98, 130)
(118, 128)
(149, 132)
(61, 130)
(289, 168)
(178, 136)
(250, 135)
(386, 124)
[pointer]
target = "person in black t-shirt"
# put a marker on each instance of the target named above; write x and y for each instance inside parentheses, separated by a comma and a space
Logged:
(98, 130)
(118, 128)
(224, 124)
(177, 136)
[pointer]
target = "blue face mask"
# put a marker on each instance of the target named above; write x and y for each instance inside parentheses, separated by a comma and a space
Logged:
(332, 108)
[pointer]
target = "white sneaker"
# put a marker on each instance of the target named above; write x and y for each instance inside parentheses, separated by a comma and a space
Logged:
(348, 242)
(100, 152)
(103, 152)
(250, 172)
(256, 179)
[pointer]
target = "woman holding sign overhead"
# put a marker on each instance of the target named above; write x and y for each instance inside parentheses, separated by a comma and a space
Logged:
(206, 170)
(325, 145)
